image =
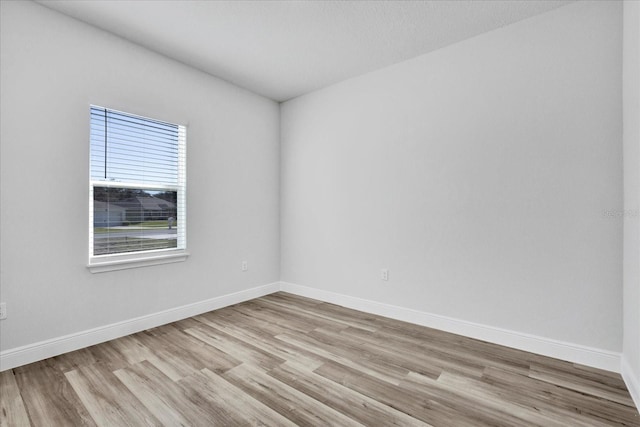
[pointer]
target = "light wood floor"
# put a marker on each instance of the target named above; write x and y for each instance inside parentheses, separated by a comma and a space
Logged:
(285, 360)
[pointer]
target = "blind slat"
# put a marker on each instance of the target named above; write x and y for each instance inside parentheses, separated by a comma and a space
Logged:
(128, 146)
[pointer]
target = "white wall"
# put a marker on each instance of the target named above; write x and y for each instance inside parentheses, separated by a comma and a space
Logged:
(486, 176)
(52, 68)
(631, 133)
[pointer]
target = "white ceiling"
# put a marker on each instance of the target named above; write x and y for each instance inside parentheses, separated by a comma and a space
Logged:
(283, 49)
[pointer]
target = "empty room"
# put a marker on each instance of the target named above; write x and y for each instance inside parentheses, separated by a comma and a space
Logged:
(320, 213)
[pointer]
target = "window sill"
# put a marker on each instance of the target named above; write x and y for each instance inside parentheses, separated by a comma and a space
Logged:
(122, 262)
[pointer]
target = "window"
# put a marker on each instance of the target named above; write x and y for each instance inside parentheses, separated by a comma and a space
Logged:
(137, 212)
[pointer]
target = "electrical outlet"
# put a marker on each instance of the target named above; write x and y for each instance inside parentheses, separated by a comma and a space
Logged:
(384, 274)
(3, 311)
(245, 265)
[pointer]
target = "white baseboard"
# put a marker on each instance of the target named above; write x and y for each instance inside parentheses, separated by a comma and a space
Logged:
(632, 380)
(41, 350)
(574, 353)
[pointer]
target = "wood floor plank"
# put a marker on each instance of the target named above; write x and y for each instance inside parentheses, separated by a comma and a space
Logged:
(473, 358)
(234, 347)
(544, 394)
(284, 360)
(393, 395)
(233, 407)
(351, 403)
(131, 349)
(178, 354)
(295, 300)
(374, 358)
(108, 401)
(335, 354)
(610, 378)
(75, 359)
(258, 309)
(163, 397)
(452, 342)
(108, 353)
(287, 401)
(12, 410)
(318, 315)
(173, 361)
(483, 396)
(580, 384)
(277, 315)
(242, 315)
(48, 398)
(421, 361)
(266, 343)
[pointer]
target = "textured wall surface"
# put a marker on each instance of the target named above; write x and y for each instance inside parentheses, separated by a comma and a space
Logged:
(486, 176)
(631, 103)
(52, 68)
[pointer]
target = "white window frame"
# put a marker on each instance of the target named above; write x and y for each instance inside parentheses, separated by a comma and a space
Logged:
(120, 261)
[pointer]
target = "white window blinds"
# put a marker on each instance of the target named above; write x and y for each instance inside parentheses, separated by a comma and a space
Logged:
(138, 184)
